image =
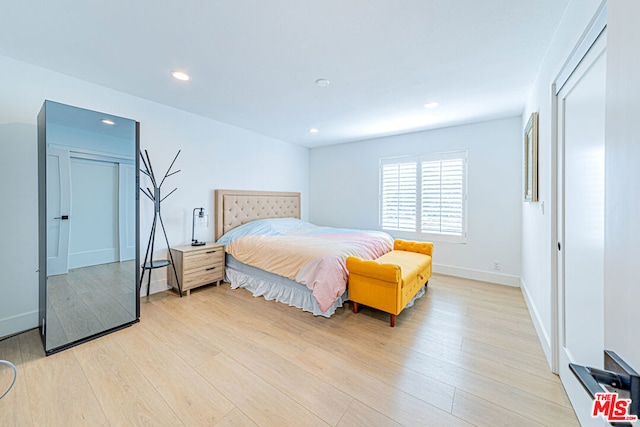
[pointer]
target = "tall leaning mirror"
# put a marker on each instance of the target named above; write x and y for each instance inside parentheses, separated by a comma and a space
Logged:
(88, 224)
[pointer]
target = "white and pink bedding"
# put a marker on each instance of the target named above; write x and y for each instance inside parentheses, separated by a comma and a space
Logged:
(311, 255)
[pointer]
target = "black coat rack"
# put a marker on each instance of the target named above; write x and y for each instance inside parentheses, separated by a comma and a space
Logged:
(156, 198)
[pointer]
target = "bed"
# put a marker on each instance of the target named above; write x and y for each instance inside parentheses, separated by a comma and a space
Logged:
(271, 252)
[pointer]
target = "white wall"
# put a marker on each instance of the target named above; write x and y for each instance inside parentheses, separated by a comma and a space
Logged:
(622, 153)
(538, 250)
(66, 136)
(214, 155)
(343, 189)
(18, 226)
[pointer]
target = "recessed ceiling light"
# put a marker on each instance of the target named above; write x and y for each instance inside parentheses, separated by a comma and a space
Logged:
(322, 82)
(108, 122)
(313, 130)
(180, 75)
(431, 105)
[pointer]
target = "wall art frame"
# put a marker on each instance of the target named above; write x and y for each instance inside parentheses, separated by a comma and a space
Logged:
(531, 159)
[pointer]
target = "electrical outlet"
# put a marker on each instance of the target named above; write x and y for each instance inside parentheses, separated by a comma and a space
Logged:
(497, 266)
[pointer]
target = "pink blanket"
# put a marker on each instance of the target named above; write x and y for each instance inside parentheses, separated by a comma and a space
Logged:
(315, 260)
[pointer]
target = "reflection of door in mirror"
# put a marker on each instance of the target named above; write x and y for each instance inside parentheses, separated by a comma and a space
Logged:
(58, 206)
(89, 221)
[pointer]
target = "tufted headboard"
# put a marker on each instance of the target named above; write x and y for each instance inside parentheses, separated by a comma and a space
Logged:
(237, 207)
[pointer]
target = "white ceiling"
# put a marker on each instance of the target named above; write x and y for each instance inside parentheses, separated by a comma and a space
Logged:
(253, 63)
(91, 121)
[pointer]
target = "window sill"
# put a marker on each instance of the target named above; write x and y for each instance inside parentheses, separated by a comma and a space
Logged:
(427, 237)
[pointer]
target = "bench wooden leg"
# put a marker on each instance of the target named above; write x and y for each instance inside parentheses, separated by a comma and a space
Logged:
(393, 320)
(426, 284)
(355, 306)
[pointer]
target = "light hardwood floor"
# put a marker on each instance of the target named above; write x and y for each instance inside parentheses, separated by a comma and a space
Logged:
(465, 354)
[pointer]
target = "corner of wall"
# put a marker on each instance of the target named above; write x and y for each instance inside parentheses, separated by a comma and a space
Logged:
(158, 284)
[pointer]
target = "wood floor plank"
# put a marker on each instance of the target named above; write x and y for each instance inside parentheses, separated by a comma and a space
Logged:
(177, 336)
(534, 365)
(261, 401)
(186, 309)
(520, 327)
(15, 407)
(193, 399)
(545, 388)
(285, 342)
(485, 414)
(309, 391)
(390, 401)
(60, 391)
(361, 415)
(236, 418)
(520, 316)
(125, 394)
(370, 358)
(499, 393)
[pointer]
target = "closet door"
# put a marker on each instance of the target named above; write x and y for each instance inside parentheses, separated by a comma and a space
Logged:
(581, 179)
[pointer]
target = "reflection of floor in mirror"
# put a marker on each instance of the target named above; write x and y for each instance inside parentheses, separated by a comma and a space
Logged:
(89, 300)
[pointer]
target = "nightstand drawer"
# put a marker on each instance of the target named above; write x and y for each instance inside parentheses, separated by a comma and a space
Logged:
(203, 259)
(203, 276)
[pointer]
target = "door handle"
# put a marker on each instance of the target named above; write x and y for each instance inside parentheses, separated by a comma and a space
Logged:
(63, 217)
(559, 246)
(617, 374)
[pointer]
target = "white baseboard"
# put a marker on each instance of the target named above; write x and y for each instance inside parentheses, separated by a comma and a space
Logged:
(16, 324)
(543, 336)
(484, 276)
(156, 286)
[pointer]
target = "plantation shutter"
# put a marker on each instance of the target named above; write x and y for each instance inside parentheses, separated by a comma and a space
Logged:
(399, 198)
(424, 197)
(443, 197)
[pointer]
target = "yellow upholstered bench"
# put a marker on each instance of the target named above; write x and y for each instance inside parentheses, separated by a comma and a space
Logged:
(391, 281)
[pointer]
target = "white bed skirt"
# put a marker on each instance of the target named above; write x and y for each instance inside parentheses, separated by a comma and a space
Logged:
(274, 287)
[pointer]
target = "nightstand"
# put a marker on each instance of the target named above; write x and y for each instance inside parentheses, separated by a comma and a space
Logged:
(196, 266)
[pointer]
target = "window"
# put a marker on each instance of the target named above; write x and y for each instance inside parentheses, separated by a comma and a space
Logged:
(424, 197)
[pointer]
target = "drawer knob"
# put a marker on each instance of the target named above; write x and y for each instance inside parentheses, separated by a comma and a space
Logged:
(211, 268)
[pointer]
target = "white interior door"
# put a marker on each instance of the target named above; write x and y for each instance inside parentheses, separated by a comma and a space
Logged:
(93, 234)
(581, 179)
(58, 207)
(622, 244)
